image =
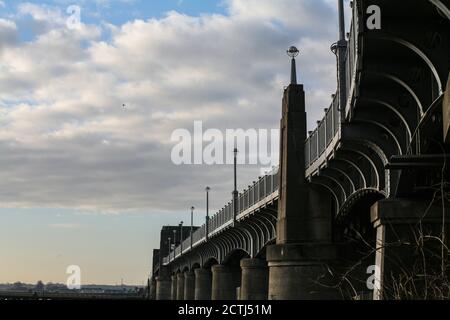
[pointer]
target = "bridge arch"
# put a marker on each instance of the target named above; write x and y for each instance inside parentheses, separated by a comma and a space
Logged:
(404, 85)
(442, 7)
(234, 257)
(418, 51)
(211, 261)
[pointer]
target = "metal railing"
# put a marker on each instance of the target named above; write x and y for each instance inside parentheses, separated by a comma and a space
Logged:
(319, 139)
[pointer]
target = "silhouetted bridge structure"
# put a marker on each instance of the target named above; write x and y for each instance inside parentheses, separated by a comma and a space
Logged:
(346, 192)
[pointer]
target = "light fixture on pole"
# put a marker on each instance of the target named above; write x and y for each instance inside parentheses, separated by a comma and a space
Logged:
(181, 237)
(170, 247)
(192, 224)
(174, 242)
(207, 212)
(235, 192)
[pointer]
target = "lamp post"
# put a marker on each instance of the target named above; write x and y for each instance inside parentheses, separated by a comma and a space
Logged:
(235, 192)
(192, 224)
(181, 237)
(170, 245)
(174, 242)
(207, 212)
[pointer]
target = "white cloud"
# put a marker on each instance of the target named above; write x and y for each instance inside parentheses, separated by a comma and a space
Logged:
(8, 33)
(66, 141)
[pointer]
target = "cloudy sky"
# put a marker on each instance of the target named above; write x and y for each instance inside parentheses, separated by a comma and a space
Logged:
(86, 181)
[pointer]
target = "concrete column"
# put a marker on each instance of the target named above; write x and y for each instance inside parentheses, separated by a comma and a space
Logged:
(255, 279)
(400, 254)
(189, 285)
(299, 263)
(163, 288)
(225, 280)
(203, 284)
(304, 227)
(292, 184)
(174, 287)
(180, 286)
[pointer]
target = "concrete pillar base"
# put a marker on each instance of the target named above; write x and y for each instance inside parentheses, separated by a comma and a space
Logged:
(299, 272)
(174, 287)
(203, 284)
(180, 286)
(163, 288)
(189, 285)
(225, 280)
(255, 279)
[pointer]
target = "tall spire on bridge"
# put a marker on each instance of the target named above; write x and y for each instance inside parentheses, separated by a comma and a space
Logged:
(293, 52)
(303, 215)
(292, 192)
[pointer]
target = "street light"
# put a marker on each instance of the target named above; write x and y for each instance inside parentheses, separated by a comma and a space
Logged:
(235, 193)
(170, 245)
(174, 242)
(181, 237)
(207, 212)
(192, 224)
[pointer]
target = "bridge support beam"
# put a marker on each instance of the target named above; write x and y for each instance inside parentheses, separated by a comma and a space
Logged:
(408, 233)
(203, 284)
(189, 285)
(225, 281)
(180, 286)
(174, 287)
(255, 279)
(163, 286)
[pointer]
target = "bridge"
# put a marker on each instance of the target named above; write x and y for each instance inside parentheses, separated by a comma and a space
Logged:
(349, 196)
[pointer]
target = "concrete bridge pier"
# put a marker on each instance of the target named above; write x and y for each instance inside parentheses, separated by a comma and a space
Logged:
(255, 279)
(408, 232)
(203, 284)
(180, 286)
(189, 285)
(163, 286)
(297, 263)
(299, 272)
(174, 287)
(225, 281)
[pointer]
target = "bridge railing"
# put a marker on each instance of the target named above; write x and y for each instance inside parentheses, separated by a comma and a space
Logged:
(260, 189)
(319, 139)
(177, 250)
